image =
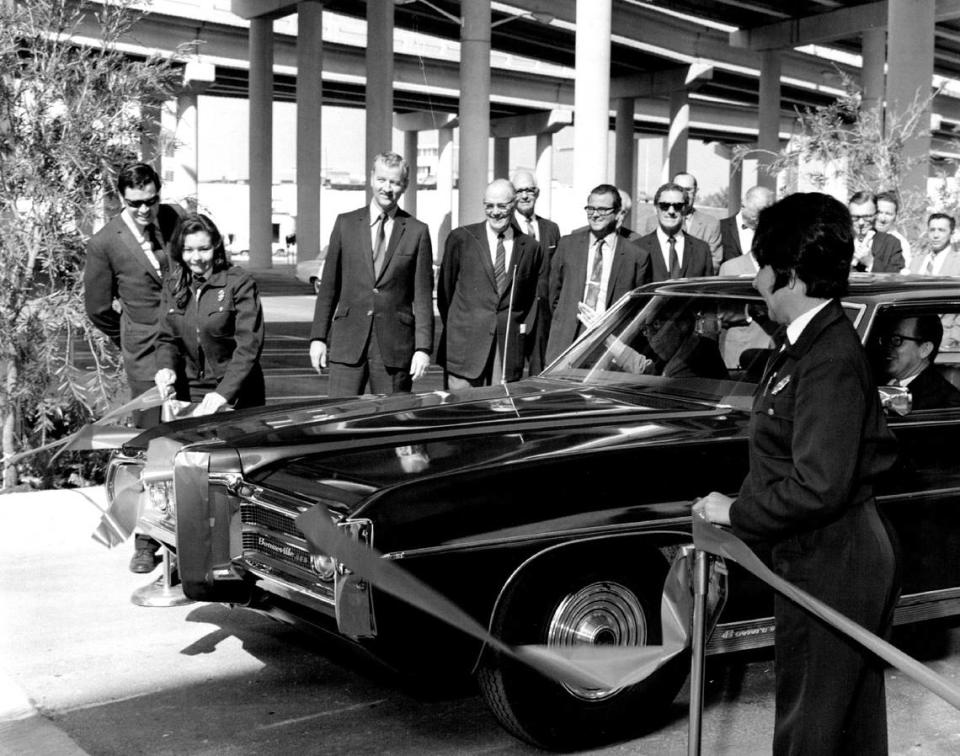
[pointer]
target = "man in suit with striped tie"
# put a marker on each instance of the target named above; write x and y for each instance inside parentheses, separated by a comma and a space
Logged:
(486, 286)
(373, 320)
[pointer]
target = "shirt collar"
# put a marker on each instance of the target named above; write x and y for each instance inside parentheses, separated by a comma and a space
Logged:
(376, 211)
(610, 240)
(134, 228)
(664, 237)
(799, 323)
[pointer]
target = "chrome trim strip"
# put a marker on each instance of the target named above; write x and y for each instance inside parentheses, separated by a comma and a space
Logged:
(656, 527)
(286, 589)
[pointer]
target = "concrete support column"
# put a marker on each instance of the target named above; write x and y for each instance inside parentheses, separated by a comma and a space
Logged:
(679, 133)
(544, 172)
(411, 144)
(261, 143)
(474, 109)
(501, 157)
(309, 124)
(591, 94)
(768, 140)
(873, 48)
(625, 158)
(910, 57)
(150, 150)
(444, 189)
(735, 186)
(187, 136)
(379, 95)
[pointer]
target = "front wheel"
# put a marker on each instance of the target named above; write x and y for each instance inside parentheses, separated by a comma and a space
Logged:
(555, 605)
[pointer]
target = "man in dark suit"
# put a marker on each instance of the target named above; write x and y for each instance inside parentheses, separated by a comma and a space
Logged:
(592, 269)
(487, 286)
(818, 443)
(736, 232)
(373, 320)
(910, 346)
(672, 251)
(873, 251)
(126, 260)
(547, 234)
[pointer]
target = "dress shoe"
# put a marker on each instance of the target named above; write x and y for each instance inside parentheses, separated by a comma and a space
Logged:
(144, 560)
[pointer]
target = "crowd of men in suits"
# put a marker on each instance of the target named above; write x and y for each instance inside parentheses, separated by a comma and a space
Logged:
(512, 293)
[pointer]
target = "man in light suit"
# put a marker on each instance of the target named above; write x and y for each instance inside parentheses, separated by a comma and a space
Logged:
(736, 232)
(373, 319)
(126, 260)
(547, 234)
(487, 286)
(941, 258)
(592, 269)
(673, 252)
(873, 251)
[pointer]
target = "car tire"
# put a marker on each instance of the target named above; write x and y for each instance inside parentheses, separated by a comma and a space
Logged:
(616, 603)
(316, 285)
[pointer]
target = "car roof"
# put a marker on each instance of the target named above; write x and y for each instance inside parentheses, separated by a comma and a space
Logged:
(863, 287)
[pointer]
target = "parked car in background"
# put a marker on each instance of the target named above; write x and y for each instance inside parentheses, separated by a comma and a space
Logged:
(310, 271)
(550, 509)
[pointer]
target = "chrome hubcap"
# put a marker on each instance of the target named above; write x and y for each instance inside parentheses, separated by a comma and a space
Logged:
(599, 614)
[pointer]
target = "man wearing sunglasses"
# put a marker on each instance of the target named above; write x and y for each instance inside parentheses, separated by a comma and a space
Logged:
(126, 260)
(909, 349)
(592, 269)
(673, 252)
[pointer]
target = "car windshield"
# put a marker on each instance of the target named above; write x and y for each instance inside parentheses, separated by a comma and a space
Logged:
(708, 345)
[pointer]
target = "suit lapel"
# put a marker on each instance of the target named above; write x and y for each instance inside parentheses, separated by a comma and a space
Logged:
(615, 269)
(687, 255)
(579, 262)
(399, 226)
(136, 251)
(366, 241)
(478, 233)
(660, 272)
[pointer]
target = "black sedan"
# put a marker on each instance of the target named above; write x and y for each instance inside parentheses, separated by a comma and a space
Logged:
(550, 509)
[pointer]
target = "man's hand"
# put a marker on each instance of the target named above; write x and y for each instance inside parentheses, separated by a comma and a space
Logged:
(318, 354)
(419, 364)
(586, 315)
(164, 379)
(715, 507)
(210, 404)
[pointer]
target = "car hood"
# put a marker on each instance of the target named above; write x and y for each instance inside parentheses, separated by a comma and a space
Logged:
(365, 445)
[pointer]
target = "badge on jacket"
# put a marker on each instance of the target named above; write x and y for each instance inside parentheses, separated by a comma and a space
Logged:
(781, 385)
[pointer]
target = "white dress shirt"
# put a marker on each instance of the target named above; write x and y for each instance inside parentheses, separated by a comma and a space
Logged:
(507, 245)
(609, 249)
(664, 240)
(375, 212)
(528, 226)
(799, 323)
(745, 233)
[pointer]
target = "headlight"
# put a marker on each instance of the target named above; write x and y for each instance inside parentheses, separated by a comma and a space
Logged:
(160, 498)
(324, 566)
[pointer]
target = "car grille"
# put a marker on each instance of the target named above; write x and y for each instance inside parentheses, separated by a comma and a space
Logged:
(273, 546)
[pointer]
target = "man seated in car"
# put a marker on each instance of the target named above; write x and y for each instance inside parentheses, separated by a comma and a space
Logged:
(909, 349)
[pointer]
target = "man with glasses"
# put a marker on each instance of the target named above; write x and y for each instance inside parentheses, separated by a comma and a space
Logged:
(673, 252)
(909, 349)
(873, 251)
(126, 260)
(486, 287)
(547, 234)
(696, 223)
(592, 269)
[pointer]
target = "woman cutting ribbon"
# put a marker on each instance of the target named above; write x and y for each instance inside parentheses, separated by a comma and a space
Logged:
(211, 324)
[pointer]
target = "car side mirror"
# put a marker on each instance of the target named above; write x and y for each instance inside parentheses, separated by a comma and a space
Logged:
(897, 399)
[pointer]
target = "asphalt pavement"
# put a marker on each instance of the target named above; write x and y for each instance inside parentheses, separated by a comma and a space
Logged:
(84, 670)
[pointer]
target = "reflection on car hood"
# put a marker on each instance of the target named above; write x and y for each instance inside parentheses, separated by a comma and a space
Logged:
(375, 442)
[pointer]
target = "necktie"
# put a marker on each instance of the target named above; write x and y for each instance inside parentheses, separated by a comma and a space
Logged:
(151, 235)
(380, 248)
(530, 228)
(596, 277)
(929, 268)
(500, 264)
(674, 260)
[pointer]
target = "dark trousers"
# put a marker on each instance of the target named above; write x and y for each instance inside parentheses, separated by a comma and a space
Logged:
(370, 375)
(144, 419)
(829, 690)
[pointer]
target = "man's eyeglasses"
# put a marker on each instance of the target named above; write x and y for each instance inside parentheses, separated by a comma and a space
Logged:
(667, 206)
(601, 211)
(527, 190)
(896, 340)
(490, 207)
(864, 217)
(135, 204)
